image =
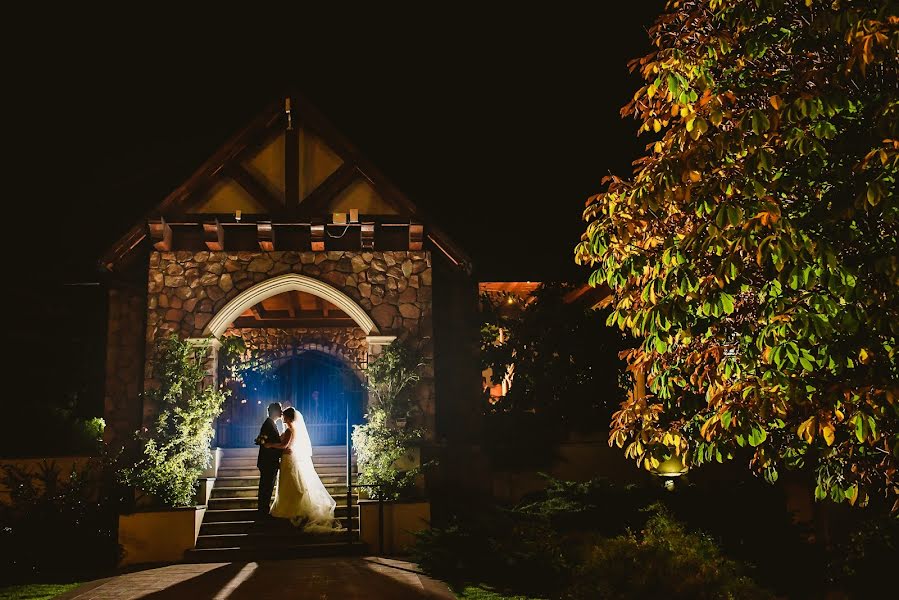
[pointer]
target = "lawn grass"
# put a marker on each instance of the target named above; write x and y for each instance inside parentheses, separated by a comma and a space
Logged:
(35, 591)
(472, 592)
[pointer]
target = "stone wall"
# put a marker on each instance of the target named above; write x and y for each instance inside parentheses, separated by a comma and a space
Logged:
(186, 289)
(124, 362)
(346, 343)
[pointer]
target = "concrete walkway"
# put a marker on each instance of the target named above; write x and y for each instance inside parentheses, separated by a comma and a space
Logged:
(320, 578)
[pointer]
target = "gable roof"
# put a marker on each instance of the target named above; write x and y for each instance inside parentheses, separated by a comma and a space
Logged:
(244, 174)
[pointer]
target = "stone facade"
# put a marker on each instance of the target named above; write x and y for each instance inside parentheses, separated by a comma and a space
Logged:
(346, 343)
(124, 362)
(185, 290)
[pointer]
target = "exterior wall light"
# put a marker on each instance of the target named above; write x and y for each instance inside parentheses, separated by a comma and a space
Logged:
(669, 470)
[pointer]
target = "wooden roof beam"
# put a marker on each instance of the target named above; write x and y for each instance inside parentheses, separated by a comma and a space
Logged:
(367, 238)
(254, 188)
(258, 311)
(291, 163)
(161, 235)
(265, 236)
(293, 303)
(214, 236)
(317, 231)
(316, 203)
(416, 236)
(323, 306)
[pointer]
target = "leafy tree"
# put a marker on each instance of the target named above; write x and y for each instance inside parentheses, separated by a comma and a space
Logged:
(754, 248)
(176, 450)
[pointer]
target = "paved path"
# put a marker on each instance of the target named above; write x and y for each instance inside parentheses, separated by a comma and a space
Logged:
(320, 578)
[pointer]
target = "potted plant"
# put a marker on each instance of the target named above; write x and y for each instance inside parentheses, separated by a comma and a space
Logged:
(387, 452)
(172, 455)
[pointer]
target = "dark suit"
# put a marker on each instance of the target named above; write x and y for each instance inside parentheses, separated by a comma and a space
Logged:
(268, 462)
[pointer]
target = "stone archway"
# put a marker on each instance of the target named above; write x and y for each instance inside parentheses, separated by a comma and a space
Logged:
(196, 295)
(287, 283)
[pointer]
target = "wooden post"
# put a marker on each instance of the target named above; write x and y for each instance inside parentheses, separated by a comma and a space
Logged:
(292, 164)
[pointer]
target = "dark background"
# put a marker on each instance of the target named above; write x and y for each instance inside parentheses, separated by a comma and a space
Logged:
(498, 125)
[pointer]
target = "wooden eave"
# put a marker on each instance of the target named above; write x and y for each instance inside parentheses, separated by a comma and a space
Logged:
(175, 208)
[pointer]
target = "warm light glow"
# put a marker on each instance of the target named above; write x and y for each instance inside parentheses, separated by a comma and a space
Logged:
(673, 467)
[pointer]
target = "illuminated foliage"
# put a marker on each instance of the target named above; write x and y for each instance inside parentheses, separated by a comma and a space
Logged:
(384, 444)
(176, 449)
(754, 249)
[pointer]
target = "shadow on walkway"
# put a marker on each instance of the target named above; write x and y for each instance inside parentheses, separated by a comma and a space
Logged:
(320, 578)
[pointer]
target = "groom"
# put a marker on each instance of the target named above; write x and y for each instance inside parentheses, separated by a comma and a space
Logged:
(269, 458)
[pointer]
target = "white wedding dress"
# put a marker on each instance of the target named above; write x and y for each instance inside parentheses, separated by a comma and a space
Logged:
(301, 496)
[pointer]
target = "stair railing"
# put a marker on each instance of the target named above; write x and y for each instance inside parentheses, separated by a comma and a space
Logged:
(380, 516)
(349, 493)
(349, 478)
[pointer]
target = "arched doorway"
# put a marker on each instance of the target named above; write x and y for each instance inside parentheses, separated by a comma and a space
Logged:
(324, 388)
(315, 341)
(285, 284)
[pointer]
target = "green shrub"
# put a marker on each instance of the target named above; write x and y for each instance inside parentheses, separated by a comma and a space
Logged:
(56, 526)
(664, 561)
(385, 442)
(575, 506)
(177, 449)
(380, 450)
(496, 548)
(860, 563)
(573, 540)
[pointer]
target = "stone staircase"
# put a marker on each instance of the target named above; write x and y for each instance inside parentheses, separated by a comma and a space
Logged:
(230, 530)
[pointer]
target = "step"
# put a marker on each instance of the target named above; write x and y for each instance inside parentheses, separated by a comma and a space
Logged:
(227, 470)
(326, 459)
(287, 537)
(265, 527)
(237, 472)
(336, 491)
(251, 503)
(334, 468)
(226, 482)
(253, 472)
(208, 555)
(325, 475)
(229, 480)
(318, 464)
(250, 514)
(235, 492)
(254, 451)
(226, 527)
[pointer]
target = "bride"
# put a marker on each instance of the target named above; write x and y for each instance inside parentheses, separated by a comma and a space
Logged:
(301, 496)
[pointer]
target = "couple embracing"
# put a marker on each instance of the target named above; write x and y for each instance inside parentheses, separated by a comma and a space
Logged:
(301, 496)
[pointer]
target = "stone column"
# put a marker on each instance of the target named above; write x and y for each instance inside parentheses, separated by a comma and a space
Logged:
(124, 363)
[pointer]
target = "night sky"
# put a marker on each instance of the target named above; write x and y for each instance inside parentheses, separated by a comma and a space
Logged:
(497, 125)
